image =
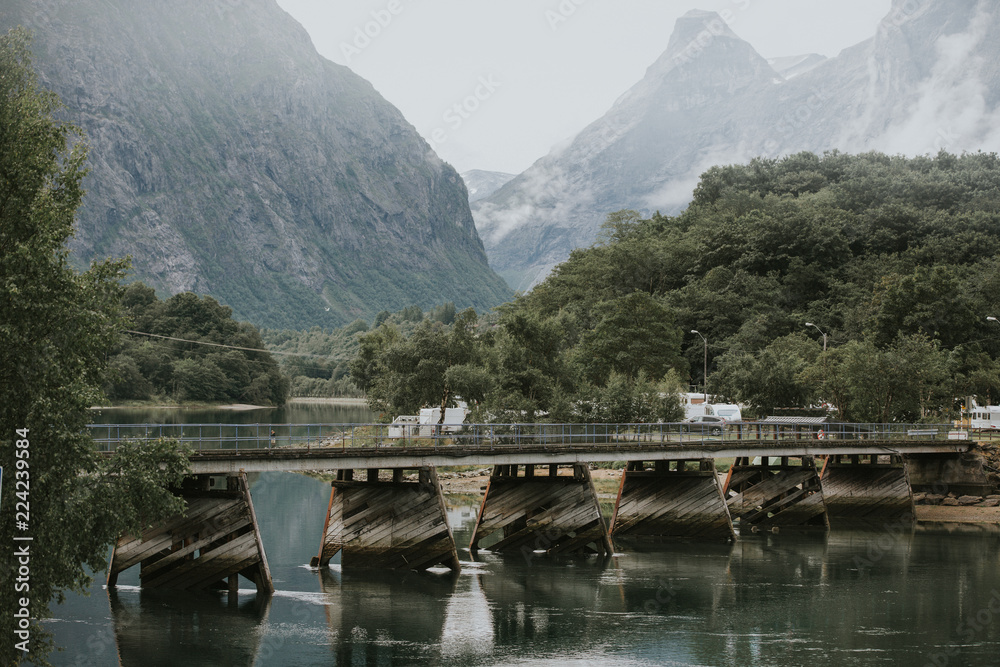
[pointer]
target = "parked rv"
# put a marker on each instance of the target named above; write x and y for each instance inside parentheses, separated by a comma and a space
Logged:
(428, 423)
(981, 416)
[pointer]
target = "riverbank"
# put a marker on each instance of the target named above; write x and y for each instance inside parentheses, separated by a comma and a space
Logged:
(154, 405)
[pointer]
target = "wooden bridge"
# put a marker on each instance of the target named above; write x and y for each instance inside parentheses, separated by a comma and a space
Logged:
(387, 510)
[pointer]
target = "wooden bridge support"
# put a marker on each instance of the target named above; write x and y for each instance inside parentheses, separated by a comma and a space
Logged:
(867, 491)
(778, 492)
(387, 523)
(550, 512)
(671, 499)
(214, 542)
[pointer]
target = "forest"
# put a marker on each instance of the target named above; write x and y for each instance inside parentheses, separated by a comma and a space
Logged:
(190, 349)
(892, 261)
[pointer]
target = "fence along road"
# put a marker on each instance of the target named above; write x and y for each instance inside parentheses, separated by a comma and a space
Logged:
(230, 448)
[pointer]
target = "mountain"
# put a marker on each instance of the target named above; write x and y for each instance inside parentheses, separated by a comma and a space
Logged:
(928, 80)
(482, 184)
(228, 158)
(791, 66)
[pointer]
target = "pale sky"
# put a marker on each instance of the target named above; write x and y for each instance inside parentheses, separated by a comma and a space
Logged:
(494, 84)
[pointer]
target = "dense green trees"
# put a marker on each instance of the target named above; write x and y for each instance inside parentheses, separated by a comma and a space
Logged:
(317, 360)
(521, 366)
(895, 258)
(56, 328)
(226, 369)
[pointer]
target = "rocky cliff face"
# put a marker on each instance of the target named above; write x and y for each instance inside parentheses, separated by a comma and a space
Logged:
(928, 80)
(228, 158)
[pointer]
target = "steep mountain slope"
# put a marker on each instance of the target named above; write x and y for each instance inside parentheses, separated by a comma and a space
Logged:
(927, 80)
(229, 158)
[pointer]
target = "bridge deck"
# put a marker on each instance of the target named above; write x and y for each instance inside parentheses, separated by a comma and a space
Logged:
(332, 458)
(229, 448)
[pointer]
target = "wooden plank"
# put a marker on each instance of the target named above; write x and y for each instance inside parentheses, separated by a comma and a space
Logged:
(230, 519)
(187, 573)
(390, 525)
(542, 512)
(671, 505)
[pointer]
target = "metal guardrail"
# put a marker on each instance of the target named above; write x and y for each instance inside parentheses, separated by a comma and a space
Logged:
(211, 437)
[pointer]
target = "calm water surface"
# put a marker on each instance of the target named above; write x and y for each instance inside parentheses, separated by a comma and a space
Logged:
(922, 598)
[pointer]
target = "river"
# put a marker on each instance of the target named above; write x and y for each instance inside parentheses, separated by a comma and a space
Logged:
(928, 597)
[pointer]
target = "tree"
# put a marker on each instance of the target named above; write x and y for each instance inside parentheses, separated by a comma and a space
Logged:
(57, 328)
(771, 378)
(430, 368)
(636, 334)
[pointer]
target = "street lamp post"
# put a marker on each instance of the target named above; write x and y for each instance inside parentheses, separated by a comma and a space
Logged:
(705, 371)
(810, 324)
(992, 319)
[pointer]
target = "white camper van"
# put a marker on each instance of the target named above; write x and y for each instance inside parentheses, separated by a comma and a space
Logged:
(728, 411)
(698, 405)
(424, 424)
(982, 416)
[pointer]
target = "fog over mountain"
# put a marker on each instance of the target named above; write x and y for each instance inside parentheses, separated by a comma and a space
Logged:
(482, 184)
(926, 81)
(228, 158)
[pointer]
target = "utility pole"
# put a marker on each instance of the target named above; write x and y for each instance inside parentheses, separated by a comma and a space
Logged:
(705, 371)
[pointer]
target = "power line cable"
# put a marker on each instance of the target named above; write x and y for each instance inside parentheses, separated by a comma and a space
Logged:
(231, 347)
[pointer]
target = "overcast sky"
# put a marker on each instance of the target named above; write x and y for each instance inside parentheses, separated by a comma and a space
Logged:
(494, 84)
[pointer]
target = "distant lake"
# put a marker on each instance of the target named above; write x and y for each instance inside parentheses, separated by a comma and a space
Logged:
(296, 411)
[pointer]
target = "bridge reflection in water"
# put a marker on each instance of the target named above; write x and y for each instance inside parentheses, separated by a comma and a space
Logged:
(807, 598)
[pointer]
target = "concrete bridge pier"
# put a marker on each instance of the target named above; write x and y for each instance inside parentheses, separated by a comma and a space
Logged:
(208, 547)
(548, 508)
(959, 473)
(867, 491)
(385, 521)
(671, 499)
(776, 492)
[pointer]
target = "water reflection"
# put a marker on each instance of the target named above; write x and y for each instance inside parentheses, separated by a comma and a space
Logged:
(154, 627)
(877, 598)
(384, 618)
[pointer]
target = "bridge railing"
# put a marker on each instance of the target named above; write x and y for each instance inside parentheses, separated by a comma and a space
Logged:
(208, 437)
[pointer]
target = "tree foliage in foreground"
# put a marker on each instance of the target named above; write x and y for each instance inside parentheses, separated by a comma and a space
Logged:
(56, 329)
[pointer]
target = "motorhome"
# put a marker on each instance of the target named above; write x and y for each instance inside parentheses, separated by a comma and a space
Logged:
(697, 405)
(425, 424)
(980, 416)
(728, 411)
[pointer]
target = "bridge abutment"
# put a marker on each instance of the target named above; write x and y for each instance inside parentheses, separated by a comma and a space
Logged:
(387, 522)
(778, 492)
(960, 473)
(541, 510)
(671, 499)
(208, 547)
(867, 491)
